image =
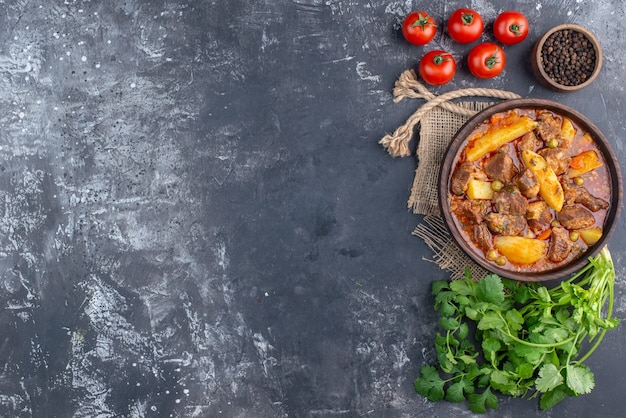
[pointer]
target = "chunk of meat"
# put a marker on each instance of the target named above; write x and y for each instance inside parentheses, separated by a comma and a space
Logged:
(560, 244)
(504, 224)
(575, 217)
(482, 236)
(538, 216)
(461, 177)
(549, 127)
(471, 210)
(527, 184)
(591, 202)
(557, 159)
(501, 167)
(529, 142)
(570, 191)
(579, 194)
(510, 201)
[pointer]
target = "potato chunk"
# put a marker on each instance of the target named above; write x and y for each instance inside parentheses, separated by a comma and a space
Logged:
(550, 188)
(478, 189)
(567, 132)
(590, 235)
(535, 209)
(519, 249)
(495, 137)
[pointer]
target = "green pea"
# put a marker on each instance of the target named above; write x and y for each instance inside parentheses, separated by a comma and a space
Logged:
(497, 185)
(555, 223)
(492, 255)
(553, 143)
(501, 260)
(579, 181)
(574, 235)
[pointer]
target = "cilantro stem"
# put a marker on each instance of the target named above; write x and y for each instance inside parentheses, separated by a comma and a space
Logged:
(539, 345)
(593, 347)
(453, 361)
(609, 314)
(508, 333)
(455, 377)
(573, 350)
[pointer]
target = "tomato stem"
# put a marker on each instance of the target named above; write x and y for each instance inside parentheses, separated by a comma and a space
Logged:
(440, 59)
(492, 60)
(467, 18)
(422, 21)
(515, 28)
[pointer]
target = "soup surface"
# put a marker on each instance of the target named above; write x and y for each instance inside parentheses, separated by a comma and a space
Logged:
(529, 190)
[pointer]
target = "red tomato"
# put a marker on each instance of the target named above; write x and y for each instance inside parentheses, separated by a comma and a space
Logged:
(465, 25)
(486, 60)
(510, 27)
(437, 67)
(419, 28)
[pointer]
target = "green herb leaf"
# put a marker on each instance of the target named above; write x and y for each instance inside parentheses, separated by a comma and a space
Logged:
(553, 358)
(549, 378)
(449, 324)
(563, 316)
(463, 331)
(579, 379)
(447, 309)
(510, 285)
(462, 301)
(490, 320)
(491, 345)
(525, 370)
(445, 296)
(439, 285)
(462, 287)
(473, 371)
(467, 359)
(531, 354)
(483, 381)
(490, 289)
(555, 335)
(552, 397)
(515, 319)
(429, 384)
(456, 391)
(480, 402)
(522, 295)
(500, 381)
(472, 313)
(543, 295)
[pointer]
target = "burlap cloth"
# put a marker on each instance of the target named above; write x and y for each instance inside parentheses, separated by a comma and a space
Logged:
(439, 119)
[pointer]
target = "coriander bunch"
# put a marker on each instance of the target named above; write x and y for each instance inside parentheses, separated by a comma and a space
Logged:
(519, 339)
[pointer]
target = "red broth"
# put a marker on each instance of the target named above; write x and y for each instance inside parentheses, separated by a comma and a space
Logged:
(551, 135)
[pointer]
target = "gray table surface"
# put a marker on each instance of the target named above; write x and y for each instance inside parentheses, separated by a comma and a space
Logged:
(197, 219)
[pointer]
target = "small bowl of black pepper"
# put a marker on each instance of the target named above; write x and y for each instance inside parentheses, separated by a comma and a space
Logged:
(567, 58)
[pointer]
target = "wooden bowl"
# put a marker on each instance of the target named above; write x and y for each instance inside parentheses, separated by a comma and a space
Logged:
(612, 166)
(537, 61)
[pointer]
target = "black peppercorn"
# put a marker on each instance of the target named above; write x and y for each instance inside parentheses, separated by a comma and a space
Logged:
(568, 57)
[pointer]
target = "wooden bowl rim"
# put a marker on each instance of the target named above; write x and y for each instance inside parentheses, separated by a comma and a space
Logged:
(613, 169)
(540, 71)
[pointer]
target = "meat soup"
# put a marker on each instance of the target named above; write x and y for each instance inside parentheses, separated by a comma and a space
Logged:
(529, 190)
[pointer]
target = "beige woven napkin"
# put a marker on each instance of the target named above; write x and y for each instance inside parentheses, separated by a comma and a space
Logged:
(439, 119)
(437, 128)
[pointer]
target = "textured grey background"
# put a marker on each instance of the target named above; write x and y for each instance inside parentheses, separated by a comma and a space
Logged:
(196, 219)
